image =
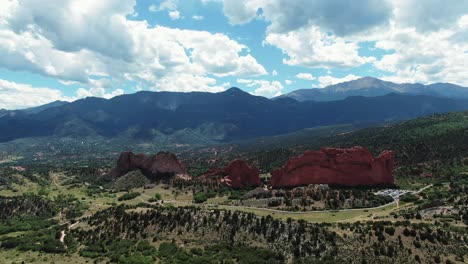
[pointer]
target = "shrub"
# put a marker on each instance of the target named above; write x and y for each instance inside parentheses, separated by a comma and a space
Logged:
(390, 230)
(409, 198)
(200, 198)
(157, 197)
(129, 196)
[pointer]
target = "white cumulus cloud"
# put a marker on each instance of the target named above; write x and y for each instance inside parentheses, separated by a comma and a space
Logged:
(174, 15)
(330, 80)
(305, 76)
(426, 41)
(19, 96)
(424, 57)
(263, 87)
(75, 41)
(312, 48)
(338, 16)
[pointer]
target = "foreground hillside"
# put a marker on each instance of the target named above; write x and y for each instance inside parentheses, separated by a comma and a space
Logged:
(61, 219)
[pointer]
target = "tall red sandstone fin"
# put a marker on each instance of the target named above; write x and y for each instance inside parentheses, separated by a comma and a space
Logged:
(238, 174)
(385, 165)
(163, 165)
(352, 167)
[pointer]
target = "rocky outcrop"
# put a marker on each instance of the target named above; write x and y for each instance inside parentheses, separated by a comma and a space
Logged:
(162, 166)
(238, 174)
(351, 167)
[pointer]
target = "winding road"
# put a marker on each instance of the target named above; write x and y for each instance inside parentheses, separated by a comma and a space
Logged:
(317, 211)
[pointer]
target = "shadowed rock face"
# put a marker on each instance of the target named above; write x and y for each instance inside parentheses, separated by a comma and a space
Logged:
(161, 166)
(351, 167)
(238, 174)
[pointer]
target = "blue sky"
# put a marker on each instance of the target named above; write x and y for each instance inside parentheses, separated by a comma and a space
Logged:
(66, 50)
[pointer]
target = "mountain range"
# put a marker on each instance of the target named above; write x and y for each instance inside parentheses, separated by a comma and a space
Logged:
(371, 87)
(225, 116)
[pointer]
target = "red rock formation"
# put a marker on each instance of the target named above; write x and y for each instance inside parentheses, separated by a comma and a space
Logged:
(238, 174)
(163, 165)
(352, 167)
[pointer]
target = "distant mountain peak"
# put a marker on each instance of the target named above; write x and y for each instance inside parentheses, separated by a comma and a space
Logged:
(234, 90)
(361, 83)
(369, 81)
(371, 87)
(364, 80)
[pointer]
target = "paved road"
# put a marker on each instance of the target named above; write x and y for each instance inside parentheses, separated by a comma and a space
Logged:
(424, 188)
(308, 212)
(317, 211)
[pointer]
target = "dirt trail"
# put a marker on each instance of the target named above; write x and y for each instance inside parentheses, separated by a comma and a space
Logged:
(62, 237)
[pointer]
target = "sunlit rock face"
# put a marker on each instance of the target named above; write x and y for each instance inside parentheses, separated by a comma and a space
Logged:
(238, 174)
(352, 167)
(162, 166)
